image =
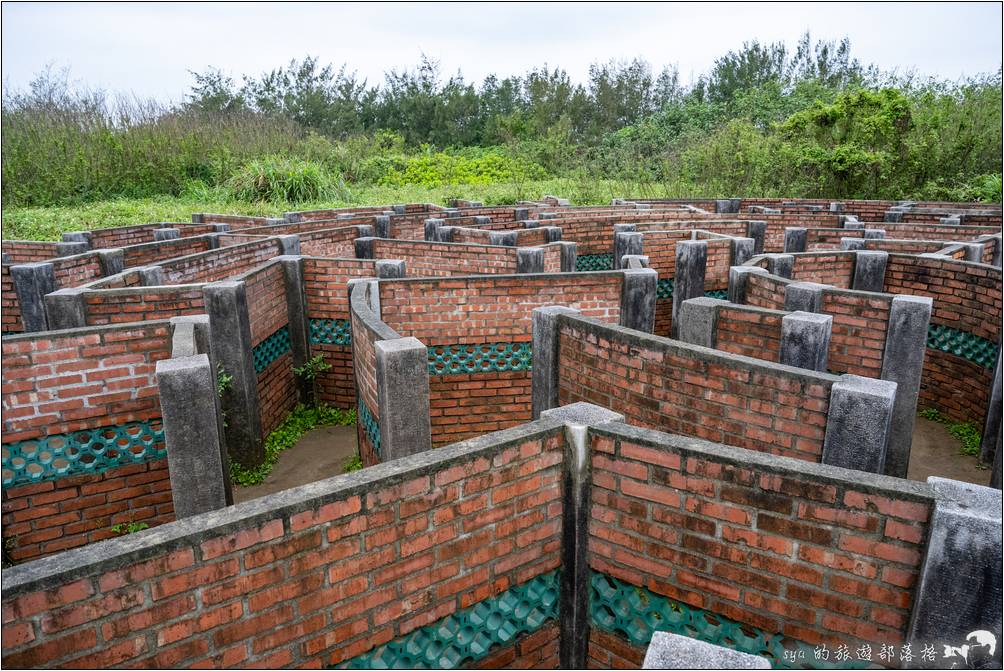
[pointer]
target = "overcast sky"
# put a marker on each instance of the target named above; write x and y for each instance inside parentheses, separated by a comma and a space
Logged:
(149, 49)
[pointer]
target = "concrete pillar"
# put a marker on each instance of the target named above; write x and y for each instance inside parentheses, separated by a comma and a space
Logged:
(521, 214)
(869, 270)
(699, 321)
(32, 281)
(950, 221)
(974, 252)
(742, 250)
(569, 256)
(504, 238)
(544, 372)
(672, 651)
(727, 205)
(65, 309)
(804, 296)
(853, 225)
(226, 305)
(758, 231)
(390, 269)
(70, 248)
(805, 340)
(576, 503)
(166, 234)
(738, 276)
(552, 233)
(112, 261)
(452, 213)
(544, 216)
(274, 221)
(531, 223)
(78, 236)
(151, 276)
(782, 265)
(691, 264)
(795, 240)
(296, 313)
(874, 234)
(990, 444)
(365, 248)
(400, 209)
(851, 244)
(638, 294)
(402, 379)
(858, 423)
(289, 244)
(959, 590)
(381, 225)
(626, 243)
(903, 363)
(893, 216)
(190, 411)
(529, 260)
(431, 227)
(836, 207)
(632, 261)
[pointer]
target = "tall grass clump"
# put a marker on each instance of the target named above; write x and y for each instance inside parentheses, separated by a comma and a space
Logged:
(281, 179)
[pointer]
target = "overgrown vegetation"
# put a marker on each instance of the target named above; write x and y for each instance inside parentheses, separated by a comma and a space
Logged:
(129, 527)
(303, 418)
(966, 433)
(764, 121)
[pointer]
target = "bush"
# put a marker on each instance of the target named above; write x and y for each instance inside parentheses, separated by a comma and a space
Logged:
(278, 179)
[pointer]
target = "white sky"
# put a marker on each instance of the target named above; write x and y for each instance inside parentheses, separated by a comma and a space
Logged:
(148, 49)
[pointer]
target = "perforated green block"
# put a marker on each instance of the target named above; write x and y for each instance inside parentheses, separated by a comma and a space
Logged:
(480, 358)
(469, 634)
(90, 451)
(271, 348)
(966, 345)
(588, 262)
(330, 332)
(664, 288)
(370, 425)
(634, 613)
(717, 293)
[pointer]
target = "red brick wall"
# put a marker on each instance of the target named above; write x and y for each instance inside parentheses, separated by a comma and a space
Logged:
(438, 259)
(117, 306)
(364, 335)
(221, 263)
(28, 251)
(818, 239)
(665, 386)
(966, 297)
(150, 253)
(765, 291)
(552, 257)
(816, 558)
(334, 242)
(538, 650)
(84, 380)
(749, 332)
(236, 221)
(858, 334)
(105, 238)
(474, 310)
(10, 306)
(72, 271)
(325, 283)
(267, 313)
(836, 269)
(316, 584)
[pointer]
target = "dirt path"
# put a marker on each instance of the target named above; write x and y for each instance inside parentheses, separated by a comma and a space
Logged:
(936, 452)
(321, 453)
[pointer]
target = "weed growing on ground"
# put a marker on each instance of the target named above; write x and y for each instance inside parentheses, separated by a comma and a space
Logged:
(303, 418)
(354, 464)
(965, 432)
(129, 528)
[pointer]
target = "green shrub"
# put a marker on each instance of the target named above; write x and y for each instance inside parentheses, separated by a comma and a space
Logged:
(279, 179)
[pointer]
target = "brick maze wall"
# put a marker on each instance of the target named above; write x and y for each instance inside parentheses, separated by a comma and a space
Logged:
(220, 264)
(437, 259)
(468, 320)
(28, 251)
(333, 242)
(858, 334)
(117, 306)
(150, 253)
(268, 314)
(814, 558)
(366, 330)
(765, 291)
(324, 583)
(749, 332)
(82, 439)
(325, 283)
(10, 307)
(967, 315)
(661, 384)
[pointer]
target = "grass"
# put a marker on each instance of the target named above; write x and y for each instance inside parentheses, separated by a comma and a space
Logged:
(49, 223)
(302, 419)
(965, 432)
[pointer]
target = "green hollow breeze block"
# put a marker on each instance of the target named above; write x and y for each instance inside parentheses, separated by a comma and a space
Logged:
(271, 348)
(664, 288)
(717, 293)
(634, 613)
(330, 332)
(979, 350)
(588, 262)
(370, 425)
(470, 634)
(480, 358)
(87, 451)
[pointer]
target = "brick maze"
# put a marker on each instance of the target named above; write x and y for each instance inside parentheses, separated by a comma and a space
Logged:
(581, 427)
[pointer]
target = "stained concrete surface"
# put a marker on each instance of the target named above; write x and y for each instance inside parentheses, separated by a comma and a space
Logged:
(321, 453)
(936, 452)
